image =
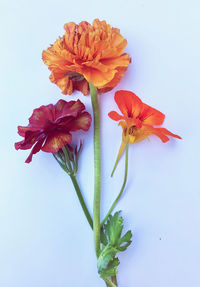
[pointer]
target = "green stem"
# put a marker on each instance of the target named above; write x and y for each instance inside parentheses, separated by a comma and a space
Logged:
(109, 283)
(61, 164)
(81, 200)
(77, 189)
(114, 279)
(122, 188)
(67, 158)
(97, 168)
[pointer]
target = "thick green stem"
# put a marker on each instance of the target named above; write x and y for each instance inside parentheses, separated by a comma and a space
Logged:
(122, 188)
(97, 169)
(81, 200)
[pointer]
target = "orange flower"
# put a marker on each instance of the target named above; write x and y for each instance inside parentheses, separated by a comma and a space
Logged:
(87, 53)
(138, 120)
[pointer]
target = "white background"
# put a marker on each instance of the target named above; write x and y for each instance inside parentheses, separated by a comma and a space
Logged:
(45, 240)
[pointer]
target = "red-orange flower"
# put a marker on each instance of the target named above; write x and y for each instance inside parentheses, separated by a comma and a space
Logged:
(50, 127)
(138, 120)
(87, 53)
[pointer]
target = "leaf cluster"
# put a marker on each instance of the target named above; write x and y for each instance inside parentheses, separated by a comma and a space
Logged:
(112, 243)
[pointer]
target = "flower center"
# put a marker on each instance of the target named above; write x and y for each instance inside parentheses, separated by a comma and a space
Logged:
(131, 130)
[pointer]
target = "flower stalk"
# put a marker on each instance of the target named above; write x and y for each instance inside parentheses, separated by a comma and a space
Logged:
(122, 188)
(76, 187)
(114, 280)
(66, 165)
(109, 283)
(81, 200)
(97, 168)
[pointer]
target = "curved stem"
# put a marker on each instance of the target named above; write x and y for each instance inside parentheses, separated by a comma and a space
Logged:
(76, 186)
(122, 188)
(97, 168)
(81, 200)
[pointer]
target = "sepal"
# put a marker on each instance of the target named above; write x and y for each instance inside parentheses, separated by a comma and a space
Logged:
(68, 157)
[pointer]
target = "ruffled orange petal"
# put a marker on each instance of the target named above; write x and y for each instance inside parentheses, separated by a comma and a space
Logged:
(97, 77)
(69, 36)
(118, 45)
(52, 59)
(65, 85)
(81, 86)
(62, 82)
(110, 85)
(113, 63)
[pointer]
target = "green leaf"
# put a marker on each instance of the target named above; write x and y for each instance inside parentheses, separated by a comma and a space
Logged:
(111, 269)
(103, 238)
(106, 256)
(125, 241)
(112, 243)
(113, 228)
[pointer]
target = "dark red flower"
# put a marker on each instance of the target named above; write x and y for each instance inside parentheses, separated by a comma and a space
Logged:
(50, 126)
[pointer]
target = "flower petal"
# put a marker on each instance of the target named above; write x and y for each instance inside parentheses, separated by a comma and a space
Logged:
(81, 86)
(151, 116)
(41, 115)
(129, 104)
(63, 83)
(110, 85)
(30, 138)
(121, 61)
(56, 140)
(162, 133)
(115, 116)
(35, 149)
(67, 109)
(82, 122)
(166, 132)
(22, 130)
(97, 77)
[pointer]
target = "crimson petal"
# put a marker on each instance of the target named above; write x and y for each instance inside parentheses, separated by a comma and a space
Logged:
(35, 149)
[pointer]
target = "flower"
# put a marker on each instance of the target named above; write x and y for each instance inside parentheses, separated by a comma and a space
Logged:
(138, 120)
(50, 127)
(87, 53)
